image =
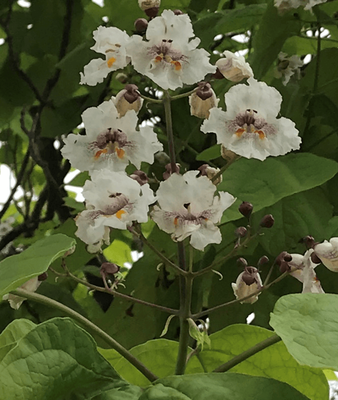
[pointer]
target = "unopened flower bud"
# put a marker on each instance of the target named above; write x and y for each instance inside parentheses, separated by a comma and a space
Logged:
(218, 74)
(315, 259)
(233, 67)
(141, 25)
(43, 277)
(108, 268)
(128, 99)
(140, 177)
(121, 77)
(245, 209)
(282, 261)
(178, 12)
(228, 154)
(241, 262)
(210, 172)
(169, 171)
(267, 221)
(309, 241)
(202, 100)
(152, 12)
(263, 260)
(162, 158)
(241, 232)
(146, 4)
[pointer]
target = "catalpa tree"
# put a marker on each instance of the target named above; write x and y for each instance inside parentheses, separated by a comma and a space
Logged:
(201, 260)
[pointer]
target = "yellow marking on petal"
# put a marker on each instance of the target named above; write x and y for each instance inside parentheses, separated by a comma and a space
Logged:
(176, 221)
(260, 134)
(120, 213)
(177, 64)
(159, 58)
(240, 132)
(111, 61)
(120, 153)
(98, 153)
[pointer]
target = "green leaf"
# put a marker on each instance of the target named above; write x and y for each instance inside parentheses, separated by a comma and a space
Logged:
(273, 362)
(210, 154)
(158, 355)
(18, 269)
(275, 178)
(308, 325)
(56, 359)
(12, 333)
(220, 387)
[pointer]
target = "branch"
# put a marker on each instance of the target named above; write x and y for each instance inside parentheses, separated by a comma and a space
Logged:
(248, 353)
(89, 325)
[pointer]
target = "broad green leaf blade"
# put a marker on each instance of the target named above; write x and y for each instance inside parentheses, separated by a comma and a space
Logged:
(273, 362)
(158, 355)
(210, 154)
(12, 333)
(276, 178)
(308, 325)
(56, 359)
(220, 387)
(18, 269)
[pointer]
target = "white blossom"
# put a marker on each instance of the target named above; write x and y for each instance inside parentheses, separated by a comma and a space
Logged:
(234, 67)
(286, 5)
(247, 283)
(111, 42)
(303, 269)
(110, 141)
(188, 207)
(168, 56)
(328, 253)
(113, 200)
(16, 301)
(249, 127)
(287, 67)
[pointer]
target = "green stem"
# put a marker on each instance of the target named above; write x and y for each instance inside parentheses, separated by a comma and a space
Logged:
(150, 99)
(182, 95)
(89, 325)
(169, 129)
(224, 168)
(248, 353)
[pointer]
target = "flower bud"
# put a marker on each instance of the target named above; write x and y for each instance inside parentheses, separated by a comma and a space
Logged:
(233, 67)
(141, 25)
(245, 209)
(267, 221)
(315, 259)
(177, 12)
(140, 177)
(121, 77)
(169, 170)
(327, 252)
(210, 172)
(147, 4)
(283, 260)
(43, 277)
(162, 158)
(128, 99)
(108, 268)
(241, 262)
(309, 241)
(263, 260)
(241, 232)
(248, 282)
(202, 100)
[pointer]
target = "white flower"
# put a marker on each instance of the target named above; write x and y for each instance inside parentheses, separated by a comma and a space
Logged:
(112, 43)
(16, 301)
(248, 282)
(169, 57)
(288, 66)
(285, 5)
(110, 141)
(233, 67)
(113, 200)
(328, 253)
(188, 207)
(249, 127)
(305, 272)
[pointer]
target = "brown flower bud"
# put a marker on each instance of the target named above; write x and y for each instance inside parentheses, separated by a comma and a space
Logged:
(245, 209)
(169, 171)
(241, 232)
(108, 268)
(315, 259)
(140, 177)
(152, 12)
(263, 260)
(177, 12)
(267, 221)
(141, 25)
(241, 262)
(43, 277)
